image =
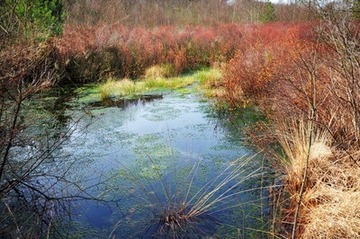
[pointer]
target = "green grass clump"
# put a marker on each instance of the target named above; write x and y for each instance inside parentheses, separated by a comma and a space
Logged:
(129, 88)
(168, 83)
(156, 83)
(208, 76)
(121, 88)
(209, 81)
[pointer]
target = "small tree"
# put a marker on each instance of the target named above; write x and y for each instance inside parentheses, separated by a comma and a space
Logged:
(31, 18)
(268, 13)
(356, 9)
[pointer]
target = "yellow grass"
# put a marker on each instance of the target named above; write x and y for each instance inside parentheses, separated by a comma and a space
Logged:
(330, 206)
(120, 88)
(160, 71)
(125, 87)
(294, 139)
(333, 204)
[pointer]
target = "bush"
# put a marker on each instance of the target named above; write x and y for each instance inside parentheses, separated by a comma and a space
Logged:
(257, 68)
(307, 82)
(36, 18)
(123, 52)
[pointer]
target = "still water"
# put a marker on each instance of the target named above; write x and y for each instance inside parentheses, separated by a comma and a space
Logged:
(165, 167)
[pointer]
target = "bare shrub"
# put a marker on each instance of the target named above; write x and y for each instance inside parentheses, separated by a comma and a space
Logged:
(312, 81)
(255, 71)
(98, 52)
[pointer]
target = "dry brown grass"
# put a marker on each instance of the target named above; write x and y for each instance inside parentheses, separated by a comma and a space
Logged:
(294, 139)
(334, 202)
(330, 205)
(160, 71)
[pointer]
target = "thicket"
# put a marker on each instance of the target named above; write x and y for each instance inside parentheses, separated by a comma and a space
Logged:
(307, 82)
(96, 53)
(121, 38)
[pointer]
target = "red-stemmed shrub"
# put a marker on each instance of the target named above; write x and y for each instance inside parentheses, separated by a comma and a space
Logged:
(90, 53)
(267, 56)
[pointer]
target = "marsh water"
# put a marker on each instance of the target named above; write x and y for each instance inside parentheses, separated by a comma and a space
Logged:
(149, 159)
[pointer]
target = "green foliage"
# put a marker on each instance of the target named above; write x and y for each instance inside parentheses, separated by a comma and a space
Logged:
(356, 9)
(268, 14)
(39, 18)
(208, 76)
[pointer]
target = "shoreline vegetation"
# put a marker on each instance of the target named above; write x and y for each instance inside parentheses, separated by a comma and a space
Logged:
(153, 84)
(302, 73)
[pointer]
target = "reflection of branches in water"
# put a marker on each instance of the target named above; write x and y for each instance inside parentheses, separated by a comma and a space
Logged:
(192, 209)
(36, 186)
(32, 188)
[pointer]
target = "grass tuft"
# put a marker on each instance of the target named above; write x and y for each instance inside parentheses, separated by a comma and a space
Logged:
(329, 205)
(160, 71)
(210, 82)
(294, 140)
(193, 210)
(120, 88)
(338, 214)
(129, 88)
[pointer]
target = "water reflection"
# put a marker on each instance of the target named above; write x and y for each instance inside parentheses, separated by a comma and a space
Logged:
(146, 151)
(125, 102)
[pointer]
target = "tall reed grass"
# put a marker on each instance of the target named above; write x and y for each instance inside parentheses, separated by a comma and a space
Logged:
(332, 182)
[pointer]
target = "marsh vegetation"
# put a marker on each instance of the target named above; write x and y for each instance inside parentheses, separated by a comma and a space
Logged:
(158, 99)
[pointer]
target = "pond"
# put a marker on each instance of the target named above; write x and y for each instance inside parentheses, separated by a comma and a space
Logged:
(165, 167)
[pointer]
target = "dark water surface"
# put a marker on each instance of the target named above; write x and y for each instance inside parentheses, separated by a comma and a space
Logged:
(154, 160)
